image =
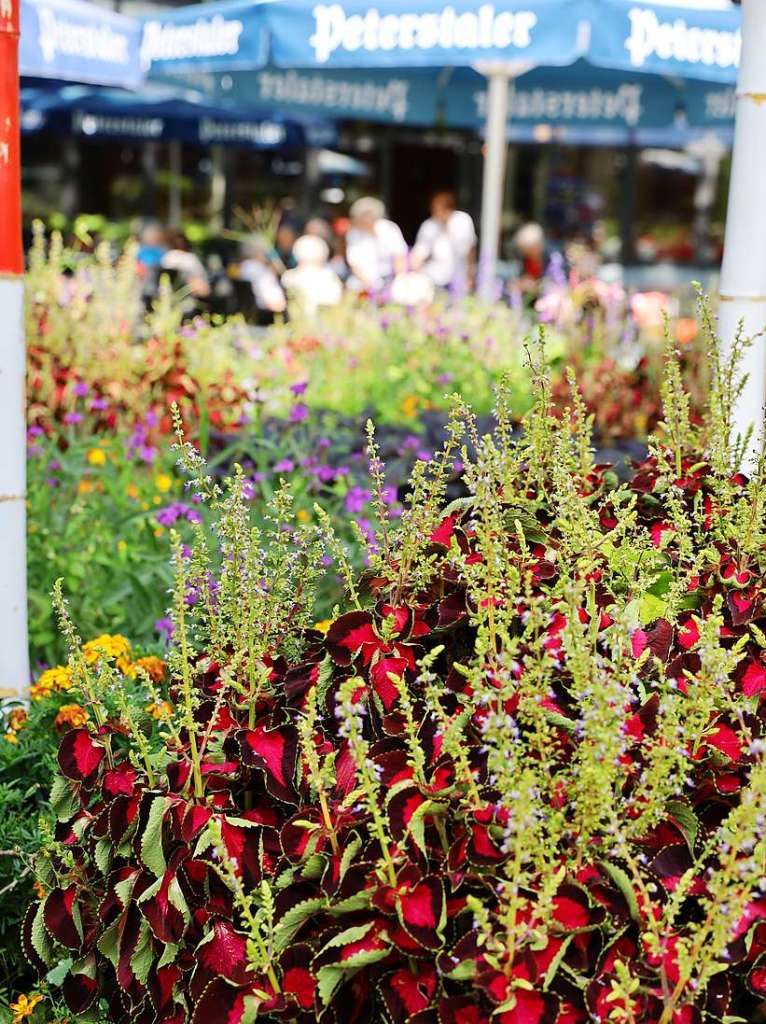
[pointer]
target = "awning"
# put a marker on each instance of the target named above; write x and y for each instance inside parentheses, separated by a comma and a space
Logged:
(76, 41)
(156, 114)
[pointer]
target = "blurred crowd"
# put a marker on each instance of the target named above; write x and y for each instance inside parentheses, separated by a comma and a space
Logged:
(312, 263)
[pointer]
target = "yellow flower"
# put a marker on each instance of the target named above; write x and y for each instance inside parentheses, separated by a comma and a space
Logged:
(107, 645)
(39, 889)
(132, 491)
(85, 487)
(410, 406)
(122, 546)
(24, 1007)
(57, 679)
(156, 500)
(96, 457)
(303, 515)
(72, 715)
(153, 666)
(163, 482)
(11, 737)
(323, 625)
(160, 710)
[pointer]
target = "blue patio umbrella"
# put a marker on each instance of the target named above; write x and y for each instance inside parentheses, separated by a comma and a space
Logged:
(76, 41)
(162, 114)
(636, 40)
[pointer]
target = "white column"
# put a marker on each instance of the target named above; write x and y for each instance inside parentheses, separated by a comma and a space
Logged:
(493, 188)
(743, 275)
(14, 660)
(217, 187)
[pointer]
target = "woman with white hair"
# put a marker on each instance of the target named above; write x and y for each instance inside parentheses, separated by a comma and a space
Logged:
(312, 282)
(375, 247)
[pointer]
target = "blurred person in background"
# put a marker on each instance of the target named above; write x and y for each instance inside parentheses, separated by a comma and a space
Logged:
(180, 259)
(151, 245)
(529, 243)
(375, 247)
(313, 283)
(445, 247)
(256, 268)
(281, 255)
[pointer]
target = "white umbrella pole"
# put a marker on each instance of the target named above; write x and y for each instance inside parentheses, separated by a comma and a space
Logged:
(493, 189)
(14, 661)
(743, 275)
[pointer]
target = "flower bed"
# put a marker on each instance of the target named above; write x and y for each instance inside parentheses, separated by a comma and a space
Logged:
(519, 776)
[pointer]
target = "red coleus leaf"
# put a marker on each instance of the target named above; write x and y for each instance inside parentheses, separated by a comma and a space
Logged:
(275, 752)
(162, 989)
(688, 634)
(61, 916)
(224, 954)
(656, 531)
(570, 909)
(406, 993)
(531, 1008)
(220, 1003)
(725, 739)
(120, 780)
(421, 911)
(298, 981)
(741, 606)
(383, 686)
(482, 849)
(461, 1010)
(444, 531)
(754, 679)
(80, 756)
(80, 990)
(757, 978)
(165, 920)
(349, 634)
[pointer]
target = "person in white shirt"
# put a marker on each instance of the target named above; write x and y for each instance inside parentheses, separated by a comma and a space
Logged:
(313, 282)
(375, 247)
(256, 268)
(445, 247)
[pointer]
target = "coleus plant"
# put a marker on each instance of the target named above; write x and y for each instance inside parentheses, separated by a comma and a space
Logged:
(520, 779)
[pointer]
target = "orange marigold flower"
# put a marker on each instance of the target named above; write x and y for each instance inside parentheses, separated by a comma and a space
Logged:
(24, 1007)
(153, 666)
(71, 715)
(39, 888)
(160, 710)
(53, 680)
(17, 719)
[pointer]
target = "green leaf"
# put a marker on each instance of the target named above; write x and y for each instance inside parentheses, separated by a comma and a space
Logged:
(109, 943)
(684, 816)
(651, 608)
(352, 934)
(103, 855)
(58, 973)
(143, 956)
(291, 921)
(63, 799)
(152, 853)
(620, 878)
(328, 980)
(41, 941)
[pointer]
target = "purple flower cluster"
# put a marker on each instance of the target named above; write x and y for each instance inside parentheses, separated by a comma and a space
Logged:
(170, 515)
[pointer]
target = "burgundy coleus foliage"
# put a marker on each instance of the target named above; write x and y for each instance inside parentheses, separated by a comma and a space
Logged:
(138, 902)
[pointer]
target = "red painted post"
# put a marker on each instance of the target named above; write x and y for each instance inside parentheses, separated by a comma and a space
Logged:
(14, 677)
(11, 256)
